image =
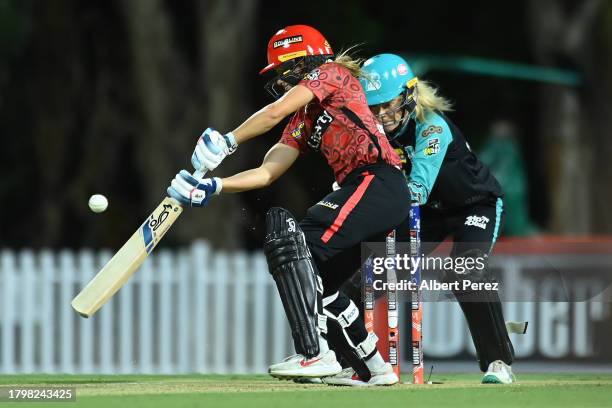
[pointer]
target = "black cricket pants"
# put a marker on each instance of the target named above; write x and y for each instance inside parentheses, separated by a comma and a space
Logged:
(370, 202)
(475, 227)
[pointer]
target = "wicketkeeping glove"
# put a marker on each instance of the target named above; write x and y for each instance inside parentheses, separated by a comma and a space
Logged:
(211, 149)
(191, 191)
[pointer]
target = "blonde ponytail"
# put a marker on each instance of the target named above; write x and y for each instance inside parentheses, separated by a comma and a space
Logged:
(350, 63)
(428, 100)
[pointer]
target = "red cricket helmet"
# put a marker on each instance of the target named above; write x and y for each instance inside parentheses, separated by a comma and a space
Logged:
(293, 42)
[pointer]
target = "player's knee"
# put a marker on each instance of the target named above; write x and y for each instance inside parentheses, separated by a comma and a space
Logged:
(284, 242)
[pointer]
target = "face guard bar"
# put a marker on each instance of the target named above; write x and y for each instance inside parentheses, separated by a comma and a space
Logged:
(408, 105)
(291, 72)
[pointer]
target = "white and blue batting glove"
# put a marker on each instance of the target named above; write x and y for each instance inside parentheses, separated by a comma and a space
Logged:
(193, 192)
(211, 149)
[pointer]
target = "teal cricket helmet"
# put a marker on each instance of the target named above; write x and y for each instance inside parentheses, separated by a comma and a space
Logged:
(386, 76)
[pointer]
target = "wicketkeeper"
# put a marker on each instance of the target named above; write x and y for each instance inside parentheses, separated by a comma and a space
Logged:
(459, 196)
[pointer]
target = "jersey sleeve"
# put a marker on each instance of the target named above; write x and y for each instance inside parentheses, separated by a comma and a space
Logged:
(325, 80)
(432, 140)
(294, 134)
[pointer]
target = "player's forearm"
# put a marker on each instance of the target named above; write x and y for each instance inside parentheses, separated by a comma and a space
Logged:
(259, 123)
(247, 180)
(268, 117)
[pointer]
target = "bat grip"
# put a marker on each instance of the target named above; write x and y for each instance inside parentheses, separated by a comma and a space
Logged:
(198, 174)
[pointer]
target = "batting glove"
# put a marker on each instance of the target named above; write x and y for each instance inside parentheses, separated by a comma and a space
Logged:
(193, 192)
(211, 149)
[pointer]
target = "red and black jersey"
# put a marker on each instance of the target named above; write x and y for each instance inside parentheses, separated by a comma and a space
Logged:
(338, 123)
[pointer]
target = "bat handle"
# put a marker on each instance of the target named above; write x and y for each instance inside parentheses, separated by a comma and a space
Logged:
(198, 174)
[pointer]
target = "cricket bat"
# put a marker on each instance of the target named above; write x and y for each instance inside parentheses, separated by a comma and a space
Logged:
(128, 259)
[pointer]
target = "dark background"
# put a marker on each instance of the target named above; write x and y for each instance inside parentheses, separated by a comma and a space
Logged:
(110, 97)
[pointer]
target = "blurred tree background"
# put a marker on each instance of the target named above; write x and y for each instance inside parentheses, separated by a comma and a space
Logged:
(110, 96)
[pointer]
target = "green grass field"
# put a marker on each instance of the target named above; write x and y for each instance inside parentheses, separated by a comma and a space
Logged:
(457, 391)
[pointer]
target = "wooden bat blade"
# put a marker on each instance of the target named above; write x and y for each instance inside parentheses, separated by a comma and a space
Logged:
(127, 260)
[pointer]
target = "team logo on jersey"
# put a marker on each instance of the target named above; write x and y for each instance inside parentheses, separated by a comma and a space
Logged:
(433, 147)
(479, 221)
(297, 132)
(284, 42)
(328, 204)
(431, 130)
(320, 126)
(312, 75)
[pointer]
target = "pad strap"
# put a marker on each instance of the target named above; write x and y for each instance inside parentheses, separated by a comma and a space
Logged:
(329, 299)
(348, 316)
(368, 346)
(322, 323)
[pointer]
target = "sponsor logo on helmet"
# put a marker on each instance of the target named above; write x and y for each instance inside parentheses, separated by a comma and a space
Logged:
(431, 130)
(433, 147)
(321, 124)
(402, 69)
(291, 55)
(297, 132)
(284, 42)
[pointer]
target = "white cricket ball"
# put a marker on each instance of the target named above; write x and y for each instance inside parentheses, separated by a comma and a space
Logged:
(98, 203)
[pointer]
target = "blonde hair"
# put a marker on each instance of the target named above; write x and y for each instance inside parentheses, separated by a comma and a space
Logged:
(350, 63)
(428, 100)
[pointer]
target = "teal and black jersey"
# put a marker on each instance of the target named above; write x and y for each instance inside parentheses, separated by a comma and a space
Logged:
(442, 170)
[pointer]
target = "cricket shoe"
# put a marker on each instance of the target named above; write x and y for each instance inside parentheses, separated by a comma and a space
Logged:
(297, 366)
(498, 373)
(348, 377)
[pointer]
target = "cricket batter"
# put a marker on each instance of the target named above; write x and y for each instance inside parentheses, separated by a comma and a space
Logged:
(310, 259)
(459, 196)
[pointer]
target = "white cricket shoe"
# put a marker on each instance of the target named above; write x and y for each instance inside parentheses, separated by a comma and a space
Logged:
(349, 377)
(297, 366)
(498, 373)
